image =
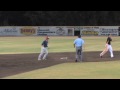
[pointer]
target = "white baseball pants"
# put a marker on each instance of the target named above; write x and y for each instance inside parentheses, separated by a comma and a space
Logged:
(44, 53)
(110, 50)
(106, 49)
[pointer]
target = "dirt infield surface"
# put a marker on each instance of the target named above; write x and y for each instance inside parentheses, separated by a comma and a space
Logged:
(18, 63)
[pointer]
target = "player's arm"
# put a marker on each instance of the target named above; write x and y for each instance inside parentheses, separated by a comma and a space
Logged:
(110, 39)
(42, 45)
(74, 43)
(107, 39)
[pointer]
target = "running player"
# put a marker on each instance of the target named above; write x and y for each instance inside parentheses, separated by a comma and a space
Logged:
(44, 49)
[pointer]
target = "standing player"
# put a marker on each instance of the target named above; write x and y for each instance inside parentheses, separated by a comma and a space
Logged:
(44, 49)
(78, 44)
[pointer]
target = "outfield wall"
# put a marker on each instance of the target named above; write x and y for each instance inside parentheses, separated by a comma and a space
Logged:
(100, 30)
(58, 30)
(36, 31)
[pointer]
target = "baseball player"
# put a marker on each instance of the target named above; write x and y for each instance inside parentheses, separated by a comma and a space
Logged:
(78, 44)
(109, 47)
(109, 39)
(44, 49)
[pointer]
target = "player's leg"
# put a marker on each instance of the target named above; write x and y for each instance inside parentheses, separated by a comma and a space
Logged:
(111, 51)
(81, 54)
(77, 54)
(41, 54)
(46, 53)
(104, 51)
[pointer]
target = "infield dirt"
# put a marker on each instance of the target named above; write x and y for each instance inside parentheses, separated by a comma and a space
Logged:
(11, 64)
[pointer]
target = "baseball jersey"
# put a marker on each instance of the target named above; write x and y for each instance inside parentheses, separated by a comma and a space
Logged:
(79, 42)
(45, 43)
(109, 40)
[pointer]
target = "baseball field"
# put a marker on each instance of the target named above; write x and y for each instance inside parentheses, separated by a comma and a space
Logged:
(18, 58)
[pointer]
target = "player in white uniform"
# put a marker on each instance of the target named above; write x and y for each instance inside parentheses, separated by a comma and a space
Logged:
(108, 47)
(109, 39)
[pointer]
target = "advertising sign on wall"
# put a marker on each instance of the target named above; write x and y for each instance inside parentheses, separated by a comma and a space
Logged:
(28, 31)
(90, 30)
(58, 30)
(9, 31)
(45, 31)
(105, 30)
(54, 31)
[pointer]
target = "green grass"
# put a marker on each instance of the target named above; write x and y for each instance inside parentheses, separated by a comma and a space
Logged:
(14, 45)
(88, 70)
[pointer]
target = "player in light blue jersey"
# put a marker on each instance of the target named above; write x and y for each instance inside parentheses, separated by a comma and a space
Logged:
(78, 44)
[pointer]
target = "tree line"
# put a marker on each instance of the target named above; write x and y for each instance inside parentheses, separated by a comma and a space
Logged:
(59, 18)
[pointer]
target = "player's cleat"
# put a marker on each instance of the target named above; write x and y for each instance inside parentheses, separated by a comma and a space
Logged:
(81, 61)
(39, 59)
(100, 56)
(112, 57)
(75, 60)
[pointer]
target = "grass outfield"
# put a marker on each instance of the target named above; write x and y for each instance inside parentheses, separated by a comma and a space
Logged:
(88, 70)
(12, 45)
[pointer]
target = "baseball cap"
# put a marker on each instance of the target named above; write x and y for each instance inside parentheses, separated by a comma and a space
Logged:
(47, 37)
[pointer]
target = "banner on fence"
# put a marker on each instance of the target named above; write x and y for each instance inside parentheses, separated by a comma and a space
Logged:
(9, 31)
(28, 31)
(89, 30)
(105, 30)
(55, 31)
(58, 30)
